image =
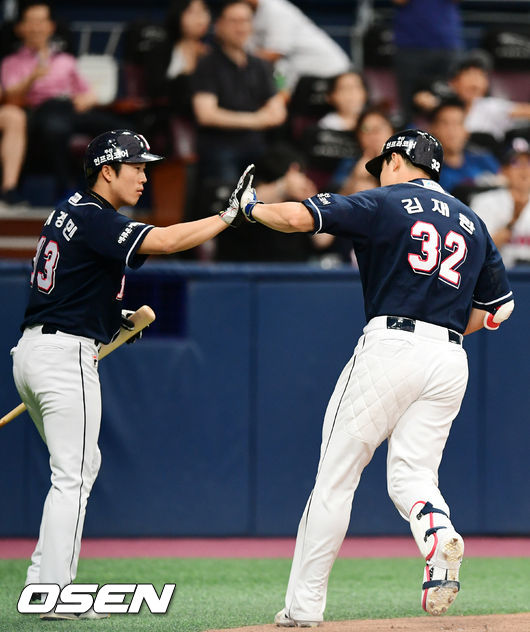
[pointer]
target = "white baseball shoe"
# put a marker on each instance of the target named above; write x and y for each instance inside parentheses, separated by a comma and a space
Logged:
(440, 578)
(283, 620)
(68, 616)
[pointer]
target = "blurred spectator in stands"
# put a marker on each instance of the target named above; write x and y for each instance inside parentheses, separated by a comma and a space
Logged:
(347, 95)
(465, 168)
(427, 36)
(12, 150)
(169, 61)
(296, 46)
(488, 118)
(280, 176)
(373, 129)
(169, 65)
(234, 99)
(489, 115)
(58, 100)
(506, 211)
(330, 140)
(292, 185)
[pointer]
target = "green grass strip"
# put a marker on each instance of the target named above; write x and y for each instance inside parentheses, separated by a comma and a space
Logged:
(216, 593)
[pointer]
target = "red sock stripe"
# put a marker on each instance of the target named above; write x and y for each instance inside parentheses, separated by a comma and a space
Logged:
(431, 522)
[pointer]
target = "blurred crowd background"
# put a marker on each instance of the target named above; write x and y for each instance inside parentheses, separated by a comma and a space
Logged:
(307, 90)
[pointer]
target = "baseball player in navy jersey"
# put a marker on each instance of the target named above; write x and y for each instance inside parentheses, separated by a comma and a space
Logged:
(75, 304)
(430, 273)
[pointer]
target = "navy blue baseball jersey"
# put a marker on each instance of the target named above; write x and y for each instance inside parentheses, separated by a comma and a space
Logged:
(78, 277)
(422, 253)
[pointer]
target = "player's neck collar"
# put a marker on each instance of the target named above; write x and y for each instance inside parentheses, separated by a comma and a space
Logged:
(100, 198)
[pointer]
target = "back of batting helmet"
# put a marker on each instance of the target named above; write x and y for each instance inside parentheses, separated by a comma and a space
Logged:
(421, 148)
(120, 145)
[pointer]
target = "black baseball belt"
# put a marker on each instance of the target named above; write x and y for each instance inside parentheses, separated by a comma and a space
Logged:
(52, 329)
(49, 329)
(409, 324)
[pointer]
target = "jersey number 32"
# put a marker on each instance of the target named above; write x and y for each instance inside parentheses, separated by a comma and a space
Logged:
(430, 259)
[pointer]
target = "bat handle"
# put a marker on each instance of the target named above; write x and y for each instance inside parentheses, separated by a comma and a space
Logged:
(12, 414)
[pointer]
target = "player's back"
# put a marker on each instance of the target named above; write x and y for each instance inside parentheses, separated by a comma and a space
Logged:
(420, 251)
(426, 252)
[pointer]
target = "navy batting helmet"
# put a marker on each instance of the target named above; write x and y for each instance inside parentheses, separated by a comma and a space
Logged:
(422, 149)
(119, 145)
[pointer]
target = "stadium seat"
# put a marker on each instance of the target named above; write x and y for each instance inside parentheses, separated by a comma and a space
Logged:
(101, 72)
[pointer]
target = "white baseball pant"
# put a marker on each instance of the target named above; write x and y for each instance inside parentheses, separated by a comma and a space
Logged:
(401, 386)
(57, 378)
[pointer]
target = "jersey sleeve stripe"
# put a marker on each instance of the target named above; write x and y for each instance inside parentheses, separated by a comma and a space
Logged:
(319, 215)
(495, 301)
(133, 247)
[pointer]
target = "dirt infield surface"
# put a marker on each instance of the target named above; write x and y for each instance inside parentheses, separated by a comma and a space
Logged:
(482, 623)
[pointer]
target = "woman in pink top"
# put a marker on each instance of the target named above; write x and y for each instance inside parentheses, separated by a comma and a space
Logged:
(47, 83)
(36, 72)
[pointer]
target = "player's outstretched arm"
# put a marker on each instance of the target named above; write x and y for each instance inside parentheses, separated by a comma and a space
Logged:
(178, 237)
(286, 217)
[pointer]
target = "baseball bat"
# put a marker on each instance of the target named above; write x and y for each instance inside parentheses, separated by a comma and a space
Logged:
(141, 318)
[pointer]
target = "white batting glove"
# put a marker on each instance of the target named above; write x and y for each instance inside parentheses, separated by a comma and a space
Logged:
(241, 201)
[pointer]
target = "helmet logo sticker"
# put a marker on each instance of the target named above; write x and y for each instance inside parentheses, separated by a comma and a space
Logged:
(111, 154)
(402, 142)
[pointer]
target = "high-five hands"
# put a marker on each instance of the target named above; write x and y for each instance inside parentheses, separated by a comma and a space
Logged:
(241, 201)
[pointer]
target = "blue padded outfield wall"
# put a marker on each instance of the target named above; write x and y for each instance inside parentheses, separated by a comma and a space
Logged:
(211, 424)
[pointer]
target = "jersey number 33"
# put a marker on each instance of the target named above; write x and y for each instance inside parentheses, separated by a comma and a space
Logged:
(46, 276)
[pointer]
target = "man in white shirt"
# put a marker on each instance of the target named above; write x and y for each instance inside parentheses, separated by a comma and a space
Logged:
(493, 116)
(506, 211)
(293, 43)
